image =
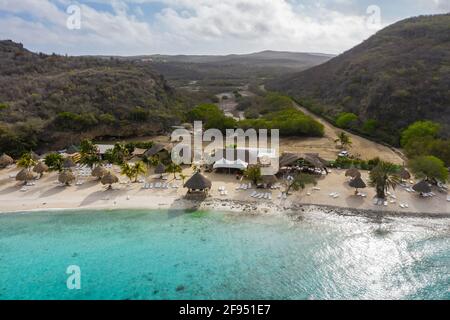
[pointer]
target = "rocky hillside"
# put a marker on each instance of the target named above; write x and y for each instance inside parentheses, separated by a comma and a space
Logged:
(398, 76)
(53, 101)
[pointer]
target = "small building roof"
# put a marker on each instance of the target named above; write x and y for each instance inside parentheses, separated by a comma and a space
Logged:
(198, 182)
(157, 148)
(227, 164)
(103, 148)
(138, 152)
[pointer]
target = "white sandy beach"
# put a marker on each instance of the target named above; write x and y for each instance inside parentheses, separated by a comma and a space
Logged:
(47, 194)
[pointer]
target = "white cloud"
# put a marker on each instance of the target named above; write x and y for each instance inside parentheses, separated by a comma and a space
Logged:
(188, 26)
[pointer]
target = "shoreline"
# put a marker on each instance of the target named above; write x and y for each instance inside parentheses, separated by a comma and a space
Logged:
(252, 208)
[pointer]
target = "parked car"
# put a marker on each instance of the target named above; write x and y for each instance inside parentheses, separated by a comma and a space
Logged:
(344, 154)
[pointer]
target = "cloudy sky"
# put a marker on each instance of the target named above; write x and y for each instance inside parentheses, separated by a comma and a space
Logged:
(134, 27)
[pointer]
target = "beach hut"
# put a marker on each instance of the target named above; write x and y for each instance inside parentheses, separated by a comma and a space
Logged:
(163, 152)
(72, 150)
(109, 179)
(25, 175)
(5, 161)
(353, 172)
(269, 181)
(289, 159)
(66, 177)
(198, 182)
(35, 156)
(68, 163)
(99, 172)
(404, 174)
(40, 168)
(160, 169)
(357, 183)
(422, 187)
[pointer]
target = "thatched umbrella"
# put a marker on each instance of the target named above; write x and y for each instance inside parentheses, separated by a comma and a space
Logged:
(109, 179)
(404, 174)
(422, 187)
(40, 168)
(160, 169)
(357, 183)
(25, 175)
(68, 163)
(99, 172)
(35, 156)
(5, 161)
(198, 182)
(66, 177)
(353, 172)
(269, 180)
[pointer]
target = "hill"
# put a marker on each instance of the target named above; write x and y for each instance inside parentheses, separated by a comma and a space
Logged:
(396, 77)
(54, 101)
(224, 73)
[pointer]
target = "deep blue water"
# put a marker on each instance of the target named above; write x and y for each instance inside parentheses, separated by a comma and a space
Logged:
(211, 255)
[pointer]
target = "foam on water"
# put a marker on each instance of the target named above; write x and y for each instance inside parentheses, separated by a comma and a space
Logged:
(211, 255)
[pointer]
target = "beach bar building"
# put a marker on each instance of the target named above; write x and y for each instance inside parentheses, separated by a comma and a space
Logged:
(198, 183)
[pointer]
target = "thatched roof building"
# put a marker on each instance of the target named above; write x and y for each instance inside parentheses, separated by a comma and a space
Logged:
(198, 182)
(40, 168)
(422, 187)
(357, 183)
(160, 169)
(353, 172)
(66, 177)
(109, 179)
(404, 174)
(99, 172)
(289, 159)
(25, 175)
(5, 161)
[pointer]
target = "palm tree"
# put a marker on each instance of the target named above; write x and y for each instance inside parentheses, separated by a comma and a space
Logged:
(133, 171)
(300, 181)
(174, 168)
(54, 161)
(384, 177)
(344, 139)
(26, 161)
(138, 168)
(253, 173)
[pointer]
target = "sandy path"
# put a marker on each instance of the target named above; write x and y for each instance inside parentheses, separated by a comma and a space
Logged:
(361, 147)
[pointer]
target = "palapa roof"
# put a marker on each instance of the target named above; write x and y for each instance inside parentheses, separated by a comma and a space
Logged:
(6, 160)
(404, 174)
(353, 172)
(160, 169)
(66, 177)
(138, 152)
(72, 149)
(315, 160)
(109, 178)
(34, 156)
(422, 187)
(198, 182)
(69, 163)
(357, 183)
(40, 168)
(24, 175)
(99, 172)
(288, 159)
(269, 179)
(157, 148)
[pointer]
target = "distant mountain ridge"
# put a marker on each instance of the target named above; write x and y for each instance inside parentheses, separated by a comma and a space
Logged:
(396, 77)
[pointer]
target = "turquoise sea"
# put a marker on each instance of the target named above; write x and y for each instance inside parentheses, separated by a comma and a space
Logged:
(212, 255)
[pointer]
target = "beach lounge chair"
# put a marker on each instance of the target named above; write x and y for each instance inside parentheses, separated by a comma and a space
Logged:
(24, 189)
(270, 196)
(253, 194)
(284, 196)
